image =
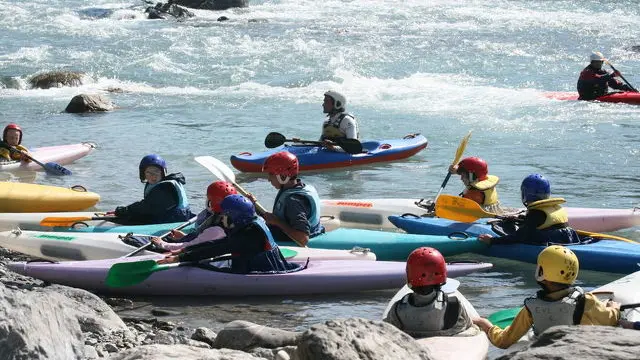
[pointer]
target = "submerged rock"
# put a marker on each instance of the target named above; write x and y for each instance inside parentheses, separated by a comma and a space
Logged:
(212, 4)
(57, 79)
(182, 352)
(89, 103)
(162, 10)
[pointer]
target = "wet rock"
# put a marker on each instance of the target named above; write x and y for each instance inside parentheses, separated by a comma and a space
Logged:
(581, 342)
(57, 79)
(182, 352)
(119, 302)
(245, 335)
(222, 18)
(204, 335)
(164, 10)
(110, 348)
(285, 353)
(356, 338)
(84, 103)
(212, 4)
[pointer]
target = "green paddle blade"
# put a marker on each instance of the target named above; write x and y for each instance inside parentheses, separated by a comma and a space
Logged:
(504, 318)
(132, 273)
(288, 253)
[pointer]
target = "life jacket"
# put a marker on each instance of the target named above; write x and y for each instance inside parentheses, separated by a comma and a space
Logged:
(566, 311)
(12, 155)
(310, 193)
(556, 215)
(487, 187)
(331, 129)
(183, 201)
(444, 316)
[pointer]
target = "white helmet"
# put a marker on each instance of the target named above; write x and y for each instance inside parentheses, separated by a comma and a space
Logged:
(339, 101)
(596, 57)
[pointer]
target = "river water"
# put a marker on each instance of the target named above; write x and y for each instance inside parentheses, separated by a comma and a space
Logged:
(441, 68)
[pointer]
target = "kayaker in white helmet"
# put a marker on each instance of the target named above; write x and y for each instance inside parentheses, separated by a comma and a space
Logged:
(595, 81)
(339, 123)
(558, 303)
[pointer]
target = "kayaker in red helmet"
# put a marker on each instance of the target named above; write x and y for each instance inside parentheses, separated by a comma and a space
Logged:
(595, 81)
(296, 210)
(479, 185)
(339, 123)
(428, 310)
(12, 136)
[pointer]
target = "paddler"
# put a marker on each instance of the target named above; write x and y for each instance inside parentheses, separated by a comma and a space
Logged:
(428, 310)
(558, 303)
(12, 136)
(296, 210)
(165, 199)
(339, 123)
(479, 185)
(248, 240)
(595, 81)
(545, 221)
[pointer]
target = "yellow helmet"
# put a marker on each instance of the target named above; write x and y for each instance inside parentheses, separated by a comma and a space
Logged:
(557, 264)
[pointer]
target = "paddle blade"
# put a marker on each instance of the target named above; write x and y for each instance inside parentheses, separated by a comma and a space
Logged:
(132, 273)
(63, 221)
(217, 168)
(288, 253)
(351, 146)
(274, 139)
(504, 318)
(56, 169)
(459, 209)
(461, 147)
(604, 236)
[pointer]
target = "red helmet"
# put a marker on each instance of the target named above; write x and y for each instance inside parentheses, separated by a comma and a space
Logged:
(282, 163)
(217, 191)
(426, 266)
(12, 126)
(475, 166)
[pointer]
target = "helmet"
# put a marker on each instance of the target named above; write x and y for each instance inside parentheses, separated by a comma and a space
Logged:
(217, 191)
(339, 100)
(149, 160)
(282, 163)
(535, 187)
(12, 126)
(426, 266)
(557, 264)
(476, 167)
(596, 57)
(240, 209)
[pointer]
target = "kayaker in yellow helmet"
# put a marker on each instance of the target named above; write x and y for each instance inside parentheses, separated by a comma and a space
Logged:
(479, 185)
(595, 81)
(339, 123)
(545, 221)
(12, 136)
(428, 310)
(558, 303)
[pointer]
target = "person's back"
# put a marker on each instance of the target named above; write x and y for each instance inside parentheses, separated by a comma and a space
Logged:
(595, 81)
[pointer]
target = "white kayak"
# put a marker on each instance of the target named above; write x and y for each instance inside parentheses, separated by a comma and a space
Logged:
(61, 154)
(61, 246)
(471, 344)
(374, 213)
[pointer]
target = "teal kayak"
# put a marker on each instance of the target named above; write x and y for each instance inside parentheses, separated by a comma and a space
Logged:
(152, 229)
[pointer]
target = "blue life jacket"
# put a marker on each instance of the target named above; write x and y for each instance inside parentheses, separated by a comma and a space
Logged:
(310, 193)
(181, 212)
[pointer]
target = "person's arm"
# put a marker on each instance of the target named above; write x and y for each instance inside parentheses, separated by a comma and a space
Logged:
(208, 250)
(597, 312)
(296, 223)
(532, 220)
(504, 338)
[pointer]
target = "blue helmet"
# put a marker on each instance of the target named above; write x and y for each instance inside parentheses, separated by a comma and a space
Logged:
(535, 187)
(240, 209)
(152, 160)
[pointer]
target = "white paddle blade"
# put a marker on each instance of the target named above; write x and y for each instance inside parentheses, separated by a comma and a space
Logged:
(217, 168)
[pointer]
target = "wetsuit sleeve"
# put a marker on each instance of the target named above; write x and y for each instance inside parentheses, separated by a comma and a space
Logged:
(162, 198)
(526, 232)
(296, 213)
(503, 338)
(597, 313)
(208, 250)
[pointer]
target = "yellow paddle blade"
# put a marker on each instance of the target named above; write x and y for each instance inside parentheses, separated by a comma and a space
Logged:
(459, 209)
(63, 221)
(461, 147)
(604, 236)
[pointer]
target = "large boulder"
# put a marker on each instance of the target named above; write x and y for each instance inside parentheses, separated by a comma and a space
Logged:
(212, 4)
(358, 339)
(245, 335)
(581, 342)
(161, 11)
(54, 79)
(89, 103)
(182, 352)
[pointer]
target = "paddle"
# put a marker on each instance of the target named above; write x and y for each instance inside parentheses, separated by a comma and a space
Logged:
(466, 210)
(51, 168)
(71, 220)
(223, 172)
(351, 146)
(459, 152)
(163, 236)
(614, 69)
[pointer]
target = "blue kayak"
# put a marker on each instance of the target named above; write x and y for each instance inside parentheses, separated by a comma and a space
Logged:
(314, 157)
(599, 255)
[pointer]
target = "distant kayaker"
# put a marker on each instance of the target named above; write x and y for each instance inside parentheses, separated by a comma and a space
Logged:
(428, 311)
(595, 81)
(545, 221)
(339, 123)
(296, 210)
(165, 199)
(12, 136)
(558, 303)
(248, 240)
(479, 185)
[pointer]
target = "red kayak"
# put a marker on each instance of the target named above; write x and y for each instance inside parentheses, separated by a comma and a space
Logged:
(617, 97)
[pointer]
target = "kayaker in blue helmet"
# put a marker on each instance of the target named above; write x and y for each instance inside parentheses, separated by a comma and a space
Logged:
(165, 199)
(339, 123)
(545, 222)
(428, 310)
(296, 210)
(558, 303)
(12, 138)
(248, 240)
(595, 81)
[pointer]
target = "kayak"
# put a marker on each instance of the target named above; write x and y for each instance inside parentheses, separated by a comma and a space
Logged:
(24, 198)
(628, 97)
(470, 344)
(319, 277)
(314, 157)
(61, 154)
(61, 246)
(374, 214)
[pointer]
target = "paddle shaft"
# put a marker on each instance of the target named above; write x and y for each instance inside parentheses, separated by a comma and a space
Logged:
(622, 77)
(62, 170)
(456, 159)
(141, 248)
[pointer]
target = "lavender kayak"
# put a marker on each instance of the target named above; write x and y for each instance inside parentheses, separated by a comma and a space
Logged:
(61, 154)
(320, 277)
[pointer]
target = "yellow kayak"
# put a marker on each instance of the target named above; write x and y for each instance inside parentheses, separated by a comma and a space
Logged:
(20, 197)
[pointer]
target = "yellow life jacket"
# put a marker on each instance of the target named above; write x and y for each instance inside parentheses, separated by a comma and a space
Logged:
(331, 129)
(9, 156)
(556, 215)
(488, 188)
